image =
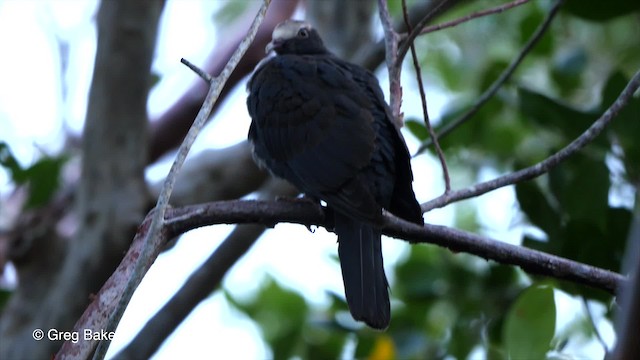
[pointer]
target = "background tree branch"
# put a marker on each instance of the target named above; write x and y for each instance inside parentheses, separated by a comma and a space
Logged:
(112, 195)
(154, 237)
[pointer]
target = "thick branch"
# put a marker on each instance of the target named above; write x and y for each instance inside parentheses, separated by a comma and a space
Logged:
(201, 282)
(111, 198)
(270, 213)
(304, 212)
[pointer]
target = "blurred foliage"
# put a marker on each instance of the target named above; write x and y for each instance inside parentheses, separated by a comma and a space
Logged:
(454, 305)
(42, 178)
(530, 324)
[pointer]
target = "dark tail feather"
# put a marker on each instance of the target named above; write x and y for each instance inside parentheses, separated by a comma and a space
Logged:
(365, 284)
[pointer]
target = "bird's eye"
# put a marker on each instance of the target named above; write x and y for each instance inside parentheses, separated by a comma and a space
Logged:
(303, 33)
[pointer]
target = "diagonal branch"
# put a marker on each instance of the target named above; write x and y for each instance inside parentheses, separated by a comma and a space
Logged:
(201, 282)
(154, 235)
(549, 163)
(504, 76)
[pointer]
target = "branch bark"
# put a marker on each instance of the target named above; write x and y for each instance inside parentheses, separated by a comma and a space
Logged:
(201, 282)
(269, 213)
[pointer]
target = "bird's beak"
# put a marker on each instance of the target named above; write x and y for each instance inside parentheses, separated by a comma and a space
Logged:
(274, 44)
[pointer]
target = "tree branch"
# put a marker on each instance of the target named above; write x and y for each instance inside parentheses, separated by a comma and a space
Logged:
(394, 66)
(201, 282)
(153, 237)
(423, 29)
(626, 325)
(544, 166)
(111, 197)
(180, 220)
(168, 130)
(269, 213)
(423, 101)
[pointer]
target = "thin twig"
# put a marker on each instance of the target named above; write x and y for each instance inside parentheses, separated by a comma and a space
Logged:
(206, 77)
(408, 40)
(544, 166)
(423, 100)
(475, 15)
(394, 66)
(504, 76)
(153, 236)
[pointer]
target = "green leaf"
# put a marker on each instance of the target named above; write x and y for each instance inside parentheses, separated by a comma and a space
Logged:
(9, 162)
(43, 177)
(553, 114)
(588, 243)
(229, 12)
(538, 209)
(418, 129)
(530, 324)
(601, 10)
(529, 25)
(568, 68)
(491, 73)
(581, 186)
(280, 313)
(44, 180)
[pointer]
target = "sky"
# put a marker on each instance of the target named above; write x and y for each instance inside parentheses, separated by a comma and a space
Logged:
(38, 105)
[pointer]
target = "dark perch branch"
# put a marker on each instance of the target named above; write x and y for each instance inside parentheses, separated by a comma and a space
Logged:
(201, 282)
(306, 213)
(549, 163)
(269, 213)
(504, 76)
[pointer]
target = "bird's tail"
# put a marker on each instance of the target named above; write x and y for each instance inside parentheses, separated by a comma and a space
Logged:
(365, 284)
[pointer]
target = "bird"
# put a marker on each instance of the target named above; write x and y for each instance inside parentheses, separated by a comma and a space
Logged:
(322, 124)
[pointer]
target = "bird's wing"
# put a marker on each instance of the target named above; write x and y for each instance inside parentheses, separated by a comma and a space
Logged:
(391, 160)
(313, 126)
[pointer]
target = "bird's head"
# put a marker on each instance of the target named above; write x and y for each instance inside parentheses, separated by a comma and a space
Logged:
(295, 37)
